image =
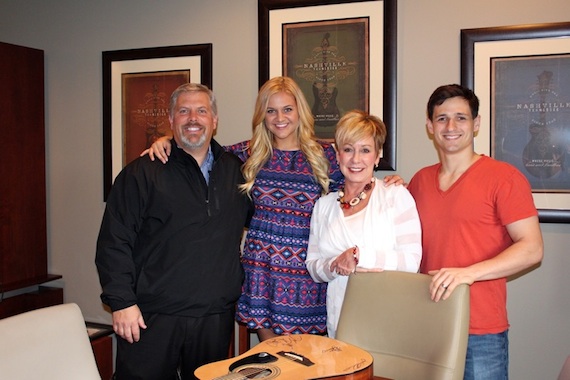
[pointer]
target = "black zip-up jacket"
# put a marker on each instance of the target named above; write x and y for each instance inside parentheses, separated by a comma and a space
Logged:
(169, 242)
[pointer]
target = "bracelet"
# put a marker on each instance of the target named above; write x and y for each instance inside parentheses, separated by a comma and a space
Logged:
(354, 255)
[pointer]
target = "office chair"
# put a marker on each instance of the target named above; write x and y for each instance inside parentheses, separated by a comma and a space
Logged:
(48, 344)
(390, 314)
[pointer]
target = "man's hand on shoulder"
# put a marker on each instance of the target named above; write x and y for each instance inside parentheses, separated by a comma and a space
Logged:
(394, 180)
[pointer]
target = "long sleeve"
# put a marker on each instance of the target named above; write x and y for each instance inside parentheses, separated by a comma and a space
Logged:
(390, 239)
(117, 237)
(393, 243)
(240, 150)
(169, 242)
(318, 264)
(387, 233)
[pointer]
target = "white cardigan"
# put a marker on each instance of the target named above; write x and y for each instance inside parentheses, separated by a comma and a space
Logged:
(391, 240)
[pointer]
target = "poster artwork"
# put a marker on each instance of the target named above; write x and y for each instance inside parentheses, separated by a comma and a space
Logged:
(530, 118)
(329, 61)
(146, 98)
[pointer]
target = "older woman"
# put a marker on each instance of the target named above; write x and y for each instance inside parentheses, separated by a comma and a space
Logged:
(365, 226)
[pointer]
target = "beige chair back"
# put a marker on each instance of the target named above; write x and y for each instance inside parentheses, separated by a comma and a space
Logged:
(48, 344)
(390, 314)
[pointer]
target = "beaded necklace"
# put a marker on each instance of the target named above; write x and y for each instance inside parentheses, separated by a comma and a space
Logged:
(356, 200)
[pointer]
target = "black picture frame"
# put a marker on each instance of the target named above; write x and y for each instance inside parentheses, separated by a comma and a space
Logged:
(469, 40)
(153, 59)
(389, 58)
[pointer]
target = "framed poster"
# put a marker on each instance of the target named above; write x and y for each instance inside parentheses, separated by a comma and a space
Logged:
(145, 103)
(329, 60)
(137, 84)
(530, 118)
(342, 53)
(521, 75)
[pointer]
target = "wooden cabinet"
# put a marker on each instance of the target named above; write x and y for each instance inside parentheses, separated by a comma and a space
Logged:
(42, 297)
(23, 236)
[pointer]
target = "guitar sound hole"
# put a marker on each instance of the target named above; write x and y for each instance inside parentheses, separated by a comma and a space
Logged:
(258, 371)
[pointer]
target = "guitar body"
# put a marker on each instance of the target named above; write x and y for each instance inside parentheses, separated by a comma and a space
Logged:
(298, 357)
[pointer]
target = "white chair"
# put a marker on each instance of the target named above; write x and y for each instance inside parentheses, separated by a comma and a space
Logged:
(390, 314)
(49, 344)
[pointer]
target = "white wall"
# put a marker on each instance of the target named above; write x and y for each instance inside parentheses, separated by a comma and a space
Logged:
(74, 33)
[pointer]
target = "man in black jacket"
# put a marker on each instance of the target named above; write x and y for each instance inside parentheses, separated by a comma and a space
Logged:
(168, 252)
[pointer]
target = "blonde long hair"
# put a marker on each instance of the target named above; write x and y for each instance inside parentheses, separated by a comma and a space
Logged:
(261, 143)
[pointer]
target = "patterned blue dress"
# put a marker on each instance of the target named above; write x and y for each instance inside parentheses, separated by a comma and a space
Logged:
(278, 291)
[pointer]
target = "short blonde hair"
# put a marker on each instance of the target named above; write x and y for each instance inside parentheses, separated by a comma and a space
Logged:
(356, 125)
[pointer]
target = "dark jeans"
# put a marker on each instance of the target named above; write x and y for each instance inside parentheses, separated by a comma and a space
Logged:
(173, 346)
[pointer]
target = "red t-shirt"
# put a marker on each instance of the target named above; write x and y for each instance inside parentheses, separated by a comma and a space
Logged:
(466, 224)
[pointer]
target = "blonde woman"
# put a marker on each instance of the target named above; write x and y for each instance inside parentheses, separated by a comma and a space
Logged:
(364, 226)
(286, 170)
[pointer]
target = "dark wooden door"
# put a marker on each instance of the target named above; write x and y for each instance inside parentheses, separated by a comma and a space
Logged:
(23, 240)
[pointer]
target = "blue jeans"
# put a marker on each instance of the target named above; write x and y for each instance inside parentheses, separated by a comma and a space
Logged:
(487, 357)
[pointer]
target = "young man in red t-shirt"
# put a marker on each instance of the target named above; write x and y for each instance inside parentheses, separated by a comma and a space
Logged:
(479, 223)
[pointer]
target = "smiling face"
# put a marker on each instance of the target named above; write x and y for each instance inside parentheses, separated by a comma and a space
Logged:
(193, 121)
(357, 160)
(282, 120)
(453, 126)
(359, 138)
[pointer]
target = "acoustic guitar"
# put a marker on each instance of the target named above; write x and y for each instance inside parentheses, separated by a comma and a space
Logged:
(294, 357)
